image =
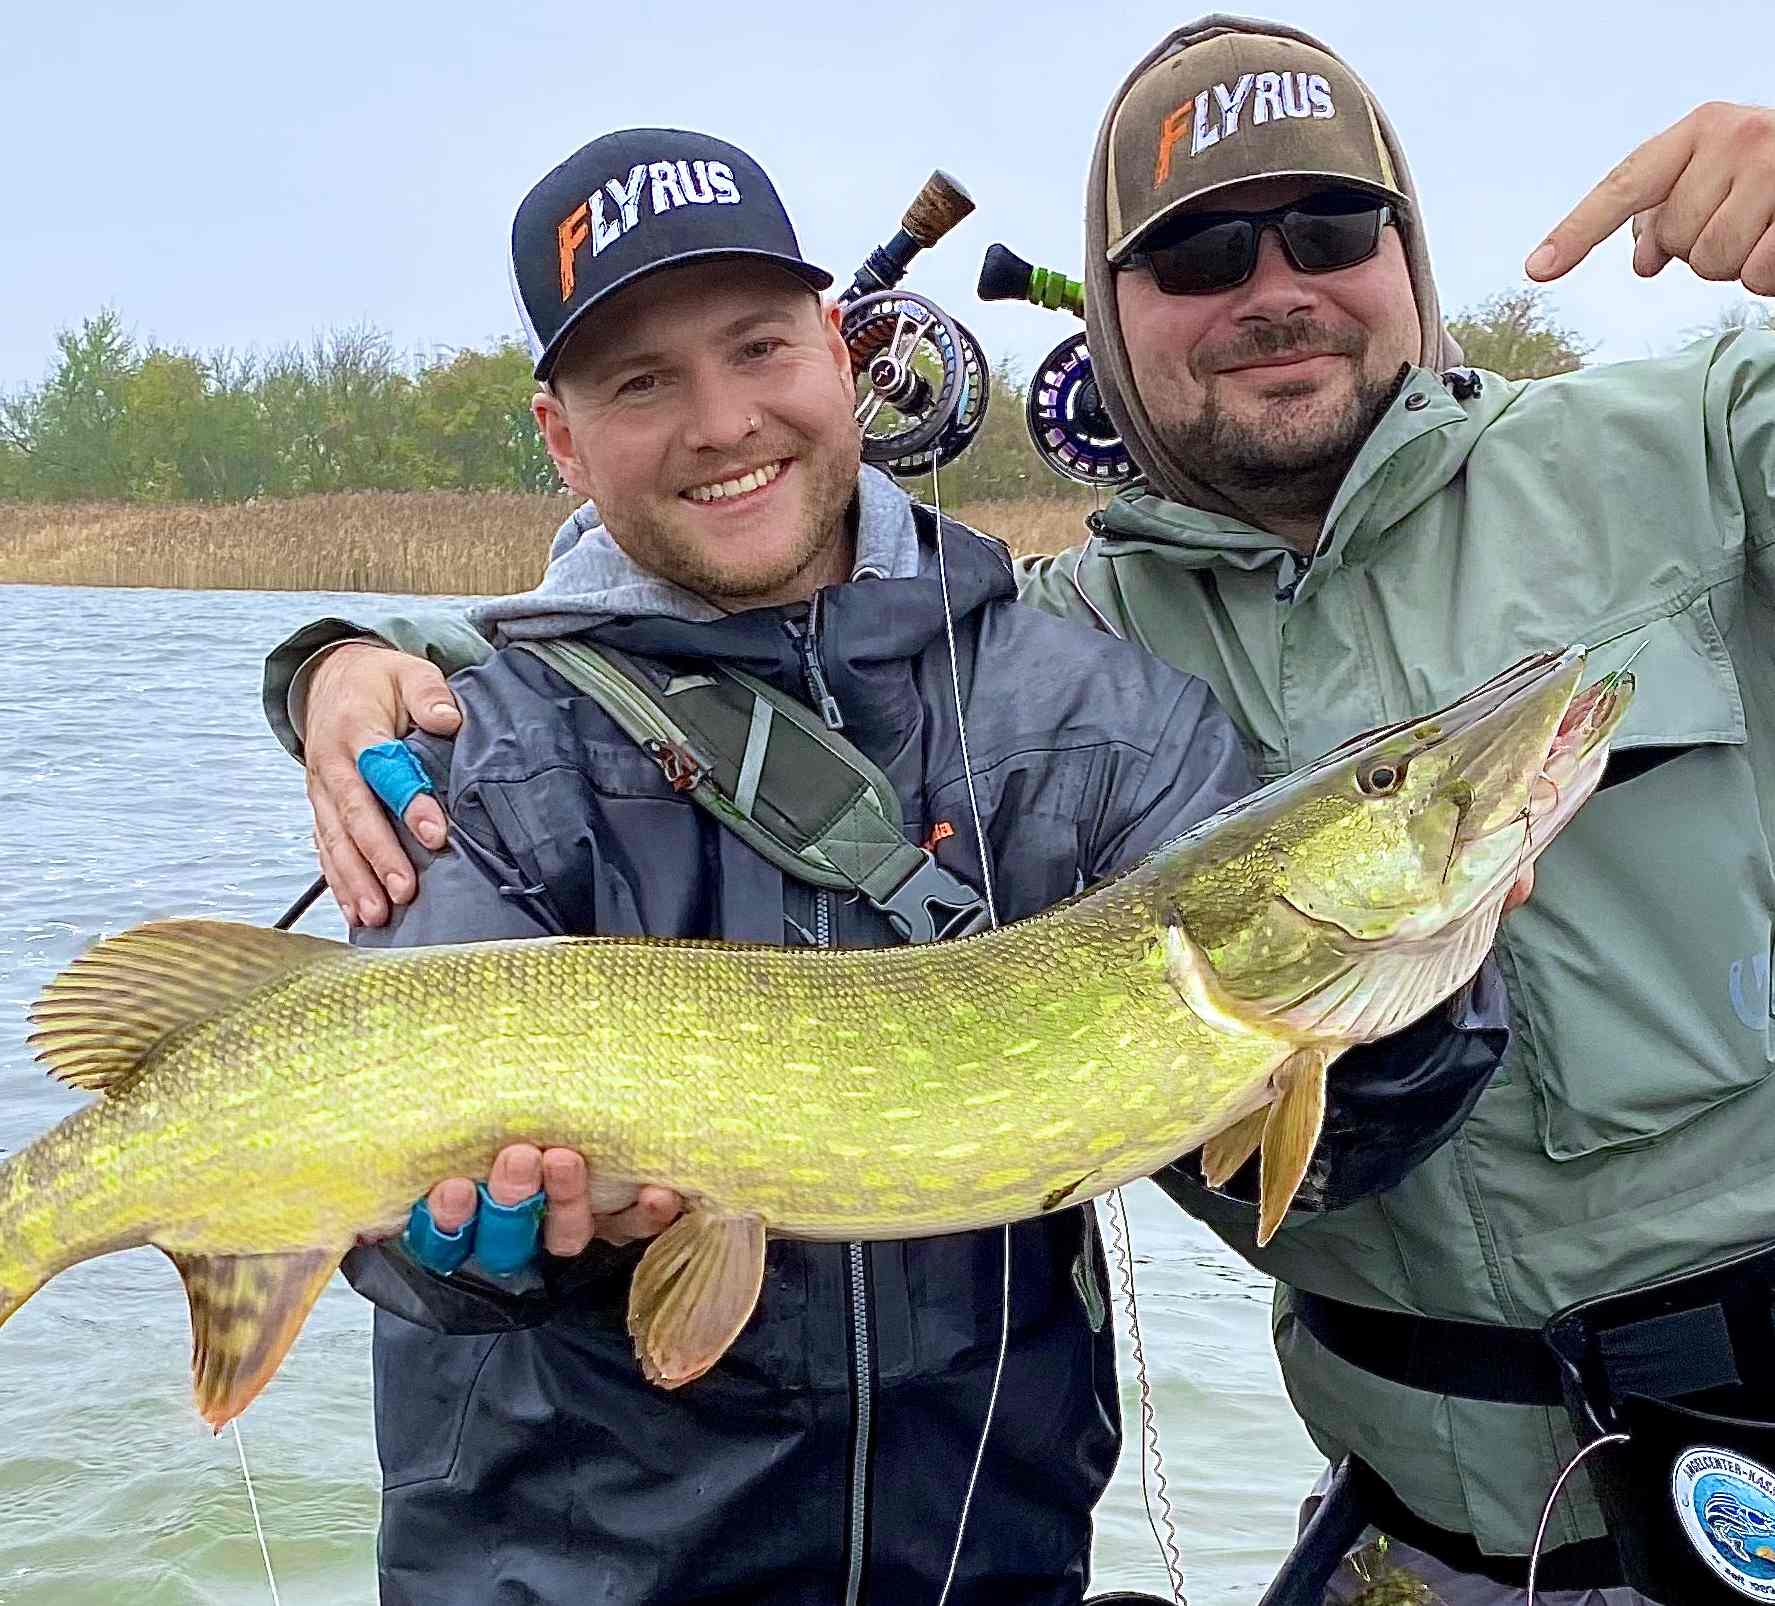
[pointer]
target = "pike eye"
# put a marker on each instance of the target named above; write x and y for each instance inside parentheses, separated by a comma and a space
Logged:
(1381, 779)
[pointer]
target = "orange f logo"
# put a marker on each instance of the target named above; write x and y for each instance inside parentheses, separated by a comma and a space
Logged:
(1174, 128)
(571, 233)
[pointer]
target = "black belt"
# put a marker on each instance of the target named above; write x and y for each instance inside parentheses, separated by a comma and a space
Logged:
(1666, 1356)
(1471, 1360)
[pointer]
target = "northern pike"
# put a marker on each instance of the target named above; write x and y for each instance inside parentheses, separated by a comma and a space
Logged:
(266, 1098)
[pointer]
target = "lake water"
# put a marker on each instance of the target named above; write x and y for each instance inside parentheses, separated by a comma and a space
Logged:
(138, 781)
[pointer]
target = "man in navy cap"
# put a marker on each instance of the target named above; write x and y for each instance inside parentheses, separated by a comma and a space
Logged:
(698, 394)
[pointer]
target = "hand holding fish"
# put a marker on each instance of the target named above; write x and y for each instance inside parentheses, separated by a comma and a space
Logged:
(1703, 191)
(579, 1208)
(361, 694)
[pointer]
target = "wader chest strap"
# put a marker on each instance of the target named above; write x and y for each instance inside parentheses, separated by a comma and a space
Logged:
(771, 772)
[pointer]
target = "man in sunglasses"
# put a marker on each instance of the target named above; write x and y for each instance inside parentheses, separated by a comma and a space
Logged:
(1336, 527)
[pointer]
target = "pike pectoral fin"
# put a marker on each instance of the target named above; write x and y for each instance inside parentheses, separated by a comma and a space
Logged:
(1223, 1154)
(694, 1290)
(1290, 1134)
(245, 1313)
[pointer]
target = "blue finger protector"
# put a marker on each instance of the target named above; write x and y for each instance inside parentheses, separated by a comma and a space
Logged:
(435, 1249)
(505, 1242)
(392, 772)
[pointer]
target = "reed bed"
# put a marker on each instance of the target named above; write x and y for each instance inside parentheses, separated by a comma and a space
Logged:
(405, 542)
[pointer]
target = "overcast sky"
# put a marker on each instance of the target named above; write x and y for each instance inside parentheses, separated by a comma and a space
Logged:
(240, 176)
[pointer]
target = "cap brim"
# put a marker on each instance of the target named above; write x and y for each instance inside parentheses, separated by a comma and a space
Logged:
(815, 279)
(1119, 252)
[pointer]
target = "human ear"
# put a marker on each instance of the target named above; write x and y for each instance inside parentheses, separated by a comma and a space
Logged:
(557, 435)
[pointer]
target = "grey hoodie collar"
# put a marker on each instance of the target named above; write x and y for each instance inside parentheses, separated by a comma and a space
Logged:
(590, 578)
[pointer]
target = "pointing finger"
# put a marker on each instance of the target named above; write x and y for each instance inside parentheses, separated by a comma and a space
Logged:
(1639, 182)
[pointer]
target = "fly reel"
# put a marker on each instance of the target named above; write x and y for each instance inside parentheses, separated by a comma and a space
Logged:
(1068, 422)
(1071, 428)
(921, 381)
(922, 384)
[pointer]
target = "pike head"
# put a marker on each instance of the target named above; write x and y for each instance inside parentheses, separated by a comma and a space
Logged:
(1344, 901)
(1349, 898)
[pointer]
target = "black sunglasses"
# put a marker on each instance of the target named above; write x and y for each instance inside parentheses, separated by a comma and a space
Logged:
(1208, 251)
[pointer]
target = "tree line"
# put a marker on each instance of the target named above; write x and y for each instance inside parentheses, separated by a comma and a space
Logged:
(121, 419)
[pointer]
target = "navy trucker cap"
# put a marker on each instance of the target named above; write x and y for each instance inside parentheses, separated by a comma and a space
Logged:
(631, 202)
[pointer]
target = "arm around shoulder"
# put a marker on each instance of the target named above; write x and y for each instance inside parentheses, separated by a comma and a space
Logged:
(447, 640)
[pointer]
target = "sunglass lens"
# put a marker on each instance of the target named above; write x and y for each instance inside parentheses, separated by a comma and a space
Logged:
(1213, 257)
(1323, 242)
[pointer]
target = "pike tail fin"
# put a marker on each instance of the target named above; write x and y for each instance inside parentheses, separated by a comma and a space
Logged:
(1290, 1134)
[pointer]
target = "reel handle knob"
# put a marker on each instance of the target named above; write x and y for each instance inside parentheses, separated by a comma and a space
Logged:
(936, 209)
(1005, 276)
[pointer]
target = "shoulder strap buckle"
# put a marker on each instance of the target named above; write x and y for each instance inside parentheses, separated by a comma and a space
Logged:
(934, 905)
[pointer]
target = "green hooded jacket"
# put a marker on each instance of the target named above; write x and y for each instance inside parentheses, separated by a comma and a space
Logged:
(1630, 1133)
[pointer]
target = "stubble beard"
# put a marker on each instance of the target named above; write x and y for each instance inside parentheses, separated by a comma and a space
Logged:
(830, 487)
(1289, 460)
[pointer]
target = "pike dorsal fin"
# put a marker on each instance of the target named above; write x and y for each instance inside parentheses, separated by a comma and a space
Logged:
(105, 1014)
(245, 1313)
(694, 1290)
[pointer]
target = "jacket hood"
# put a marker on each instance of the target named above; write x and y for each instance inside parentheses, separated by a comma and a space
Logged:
(1109, 355)
(892, 610)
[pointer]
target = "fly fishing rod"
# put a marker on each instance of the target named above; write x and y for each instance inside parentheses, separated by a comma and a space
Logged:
(1071, 428)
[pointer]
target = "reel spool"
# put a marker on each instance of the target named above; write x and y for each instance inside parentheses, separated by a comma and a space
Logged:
(1068, 423)
(922, 385)
(1071, 428)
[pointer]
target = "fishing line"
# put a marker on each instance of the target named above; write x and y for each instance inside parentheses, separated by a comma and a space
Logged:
(253, 1501)
(967, 764)
(1170, 1549)
(1534, 1557)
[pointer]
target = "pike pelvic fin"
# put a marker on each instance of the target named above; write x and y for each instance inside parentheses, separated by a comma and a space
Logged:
(113, 1006)
(1290, 1134)
(695, 1289)
(1224, 1153)
(245, 1313)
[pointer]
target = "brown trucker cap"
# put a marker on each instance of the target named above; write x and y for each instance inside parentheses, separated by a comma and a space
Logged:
(1238, 106)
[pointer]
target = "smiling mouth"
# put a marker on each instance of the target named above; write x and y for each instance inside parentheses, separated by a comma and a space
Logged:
(747, 484)
(1292, 360)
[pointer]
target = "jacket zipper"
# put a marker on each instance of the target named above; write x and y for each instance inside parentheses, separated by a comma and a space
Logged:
(807, 645)
(859, 1317)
